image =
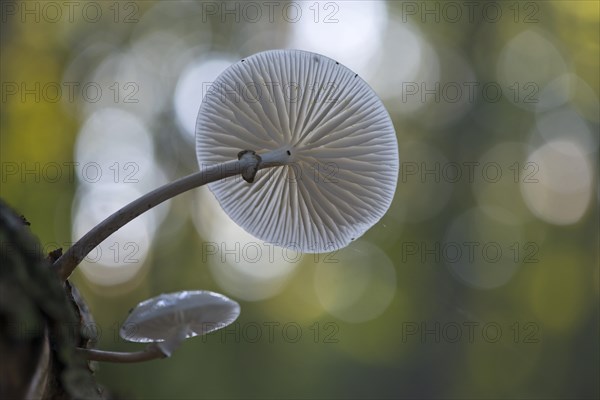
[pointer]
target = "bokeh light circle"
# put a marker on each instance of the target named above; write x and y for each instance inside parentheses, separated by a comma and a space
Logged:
(357, 283)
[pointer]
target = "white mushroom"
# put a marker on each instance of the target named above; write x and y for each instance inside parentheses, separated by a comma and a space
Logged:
(171, 318)
(324, 124)
(165, 321)
(315, 119)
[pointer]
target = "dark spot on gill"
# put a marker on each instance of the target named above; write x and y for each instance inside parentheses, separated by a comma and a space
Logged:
(288, 153)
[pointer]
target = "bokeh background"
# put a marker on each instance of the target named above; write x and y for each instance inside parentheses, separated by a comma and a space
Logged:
(481, 281)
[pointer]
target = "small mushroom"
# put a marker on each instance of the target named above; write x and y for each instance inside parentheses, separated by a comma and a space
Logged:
(171, 318)
(328, 129)
(165, 321)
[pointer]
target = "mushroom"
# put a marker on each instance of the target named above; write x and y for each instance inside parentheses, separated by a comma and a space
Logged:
(327, 128)
(165, 321)
(318, 121)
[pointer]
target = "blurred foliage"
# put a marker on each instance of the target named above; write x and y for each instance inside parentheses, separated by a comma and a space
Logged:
(547, 311)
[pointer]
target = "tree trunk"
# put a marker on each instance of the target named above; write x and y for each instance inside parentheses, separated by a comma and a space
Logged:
(40, 322)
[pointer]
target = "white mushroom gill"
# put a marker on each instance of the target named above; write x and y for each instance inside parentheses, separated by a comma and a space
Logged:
(324, 124)
(328, 137)
(176, 316)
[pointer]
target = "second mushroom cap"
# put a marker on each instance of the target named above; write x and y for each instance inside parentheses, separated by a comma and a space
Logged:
(182, 314)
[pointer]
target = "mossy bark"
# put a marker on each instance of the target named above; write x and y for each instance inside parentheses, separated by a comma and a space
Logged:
(40, 322)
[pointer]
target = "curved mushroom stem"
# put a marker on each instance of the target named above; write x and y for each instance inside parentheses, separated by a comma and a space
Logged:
(151, 352)
(248, 164)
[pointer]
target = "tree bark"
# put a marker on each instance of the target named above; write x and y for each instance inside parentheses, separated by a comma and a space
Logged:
(40, 322)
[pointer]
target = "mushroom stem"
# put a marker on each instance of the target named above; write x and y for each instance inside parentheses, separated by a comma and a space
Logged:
(169, 345)
(281, 156)
(151, 352)
(248, 164)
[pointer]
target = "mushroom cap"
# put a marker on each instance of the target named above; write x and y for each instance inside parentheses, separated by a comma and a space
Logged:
(163, 317)
(341, 147)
